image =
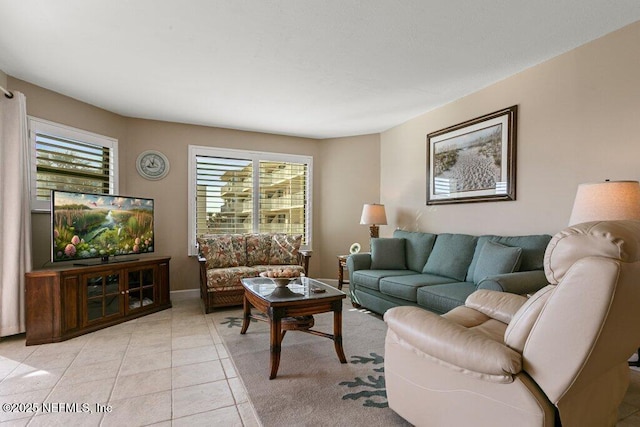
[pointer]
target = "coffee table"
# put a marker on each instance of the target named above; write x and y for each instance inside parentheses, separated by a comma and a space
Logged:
(292, 308)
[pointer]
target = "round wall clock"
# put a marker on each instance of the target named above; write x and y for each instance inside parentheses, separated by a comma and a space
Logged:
(152, 164)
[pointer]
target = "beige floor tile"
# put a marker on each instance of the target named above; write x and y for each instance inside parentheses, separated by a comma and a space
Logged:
(238, 390)
(248, 415)
(150, 348)
(7, 366)
(91, 356)
(42, 360)
(142, 383)
(194, 355)
(138, 363)
(229, 368)
(197, 373)
(190, 341)
(26, 378)
(77, 374)
(228, 417)
(201, 398)
(90, 392)
(140, 410)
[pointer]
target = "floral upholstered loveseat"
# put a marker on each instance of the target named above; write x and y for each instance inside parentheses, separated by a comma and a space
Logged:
(225, 259)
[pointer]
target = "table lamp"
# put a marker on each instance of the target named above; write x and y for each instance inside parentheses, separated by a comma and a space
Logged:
(606, 201)
(373, 215)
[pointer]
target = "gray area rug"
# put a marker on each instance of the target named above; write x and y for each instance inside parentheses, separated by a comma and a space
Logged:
(312, 387)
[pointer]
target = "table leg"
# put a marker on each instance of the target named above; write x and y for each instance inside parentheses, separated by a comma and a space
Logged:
(246, 315)
(337, 333)
(276, 339)
(340, 274)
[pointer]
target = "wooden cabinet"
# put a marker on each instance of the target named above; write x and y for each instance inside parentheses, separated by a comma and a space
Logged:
(68, 301)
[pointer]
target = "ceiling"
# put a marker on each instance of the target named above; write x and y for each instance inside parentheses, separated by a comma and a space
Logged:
(316, 69)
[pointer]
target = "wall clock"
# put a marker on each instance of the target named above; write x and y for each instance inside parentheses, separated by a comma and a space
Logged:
(152, 164)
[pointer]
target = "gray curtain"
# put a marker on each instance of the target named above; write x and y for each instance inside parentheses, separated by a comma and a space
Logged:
(15, 212)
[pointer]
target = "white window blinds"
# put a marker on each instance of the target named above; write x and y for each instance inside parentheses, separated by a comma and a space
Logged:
(68, 159)
(243, 192)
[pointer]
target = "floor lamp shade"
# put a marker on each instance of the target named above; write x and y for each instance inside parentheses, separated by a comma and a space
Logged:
(373, 215)
(606, 201)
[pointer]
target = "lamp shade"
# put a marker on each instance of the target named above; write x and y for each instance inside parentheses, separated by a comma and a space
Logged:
(373, 214)
(606, 201)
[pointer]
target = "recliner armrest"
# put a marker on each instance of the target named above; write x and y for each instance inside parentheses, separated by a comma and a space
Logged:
(498, 305)
(452, 345)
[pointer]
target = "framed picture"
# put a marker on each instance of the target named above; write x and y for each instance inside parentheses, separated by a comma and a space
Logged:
(474, 161)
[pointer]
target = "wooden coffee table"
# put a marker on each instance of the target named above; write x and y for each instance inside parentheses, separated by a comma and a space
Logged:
(292, 308)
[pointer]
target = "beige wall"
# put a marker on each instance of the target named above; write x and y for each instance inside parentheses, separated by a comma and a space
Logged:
(350, 177)
(579, 121)
(340, 184)
(3, 79)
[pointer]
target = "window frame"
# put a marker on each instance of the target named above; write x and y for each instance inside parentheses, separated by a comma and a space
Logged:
(255, 157)
(42, 126)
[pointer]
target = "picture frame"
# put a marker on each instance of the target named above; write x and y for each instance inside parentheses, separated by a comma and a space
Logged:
(473, 161)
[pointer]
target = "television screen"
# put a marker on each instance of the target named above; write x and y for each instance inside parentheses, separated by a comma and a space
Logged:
(86, 226)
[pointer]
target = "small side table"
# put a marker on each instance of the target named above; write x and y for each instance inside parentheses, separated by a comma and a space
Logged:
(342, 265)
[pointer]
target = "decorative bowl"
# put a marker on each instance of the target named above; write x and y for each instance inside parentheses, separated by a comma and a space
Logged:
(282, 282)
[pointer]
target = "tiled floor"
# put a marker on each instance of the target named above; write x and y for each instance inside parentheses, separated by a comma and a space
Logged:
(165, 369)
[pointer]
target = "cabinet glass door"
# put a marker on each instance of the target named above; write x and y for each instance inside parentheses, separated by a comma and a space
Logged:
(102, 296)
(140, 288)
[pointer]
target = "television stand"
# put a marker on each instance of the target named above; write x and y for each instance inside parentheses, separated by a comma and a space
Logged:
(65, 302)
(103, 261)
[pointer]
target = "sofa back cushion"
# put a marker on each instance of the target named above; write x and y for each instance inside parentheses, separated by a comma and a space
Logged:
(222, 250)
(496, 259)
(451, 255)
(258, 249)
(284, 248)
(388, 254)
(418, 247)
(532, 246)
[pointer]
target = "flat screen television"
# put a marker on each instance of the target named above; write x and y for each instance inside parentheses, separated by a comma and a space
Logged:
(93, 228)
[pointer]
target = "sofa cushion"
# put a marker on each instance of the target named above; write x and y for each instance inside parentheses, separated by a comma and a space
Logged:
(388, 254)
(418, 247)
(496, 259)
(218, 250)
(258, 248)
(371, 278)
(442, 298)
(533, 248)
(284, 248)
(451, 256)
(225, 279)
(405, 287)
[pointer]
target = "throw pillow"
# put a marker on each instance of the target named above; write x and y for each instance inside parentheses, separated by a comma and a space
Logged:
(258, 249)
(284, 249)
(218, 250)
(495, 259)
(451, 256)
(388, 254)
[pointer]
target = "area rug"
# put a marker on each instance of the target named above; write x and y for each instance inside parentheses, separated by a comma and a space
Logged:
(312, 387)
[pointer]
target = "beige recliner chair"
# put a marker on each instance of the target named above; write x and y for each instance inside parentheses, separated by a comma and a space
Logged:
(559, 356)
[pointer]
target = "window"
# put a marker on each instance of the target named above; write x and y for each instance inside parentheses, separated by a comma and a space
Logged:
(237, 191)
(65, 158)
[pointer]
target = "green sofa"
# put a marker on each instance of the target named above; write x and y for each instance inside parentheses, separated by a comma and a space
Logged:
(439, 271)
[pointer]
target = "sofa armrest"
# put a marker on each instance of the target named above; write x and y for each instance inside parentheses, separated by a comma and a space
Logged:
(520, 282)
(360, 261)
(303, 260)
(498, 305)
(452, 345)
